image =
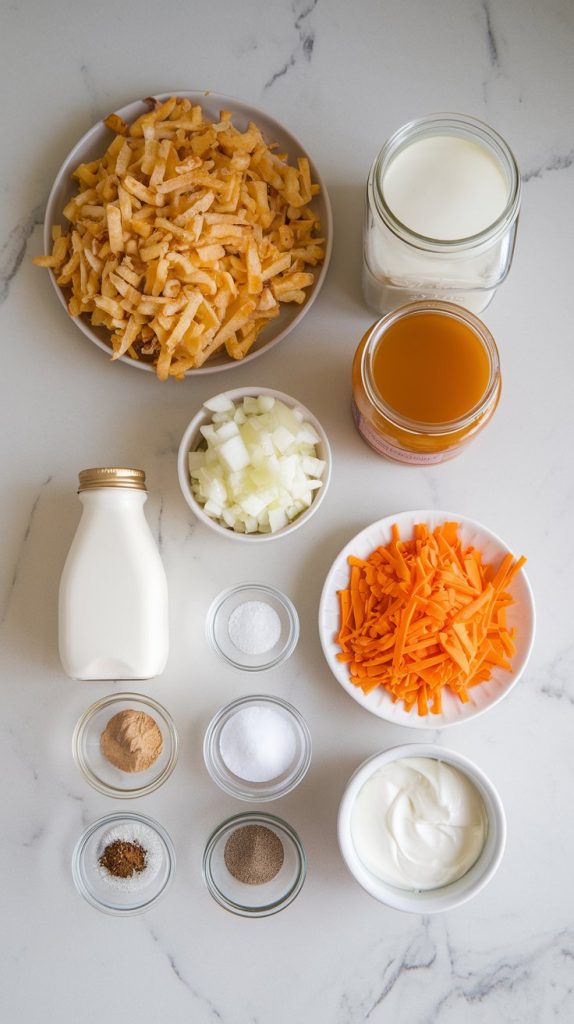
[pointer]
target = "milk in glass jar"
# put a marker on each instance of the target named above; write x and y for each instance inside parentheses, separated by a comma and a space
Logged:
(443, 198)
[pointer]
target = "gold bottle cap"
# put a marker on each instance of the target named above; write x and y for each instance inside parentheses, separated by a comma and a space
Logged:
(112, 476)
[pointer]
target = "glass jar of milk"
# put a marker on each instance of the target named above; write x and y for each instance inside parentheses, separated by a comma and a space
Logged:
(113, 614)
(443, 198)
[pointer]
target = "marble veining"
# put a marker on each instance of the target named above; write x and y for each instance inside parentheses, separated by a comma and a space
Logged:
(558, 162)
(15, 247)
(90, 83)
(160, 516)
(305, 44)
(490, 36)
(20, 552)
(35, 837)
(453, 992)
(560, 676)
(213, 1013)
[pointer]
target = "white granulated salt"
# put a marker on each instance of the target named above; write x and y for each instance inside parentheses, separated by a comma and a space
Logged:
(258, 744)
(254, 627)
(133, 832)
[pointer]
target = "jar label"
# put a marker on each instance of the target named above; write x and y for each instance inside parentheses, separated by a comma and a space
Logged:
(391, 451)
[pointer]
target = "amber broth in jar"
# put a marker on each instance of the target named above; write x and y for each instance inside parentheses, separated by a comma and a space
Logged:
(430, 368)
(425, 380)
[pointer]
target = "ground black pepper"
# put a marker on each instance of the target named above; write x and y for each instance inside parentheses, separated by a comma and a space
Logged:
(123, 859)
(254, 854)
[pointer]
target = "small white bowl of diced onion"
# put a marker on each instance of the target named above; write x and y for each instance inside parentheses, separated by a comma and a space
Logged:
(254, 464)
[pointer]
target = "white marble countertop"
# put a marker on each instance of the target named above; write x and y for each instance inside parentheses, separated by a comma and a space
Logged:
(342, 77)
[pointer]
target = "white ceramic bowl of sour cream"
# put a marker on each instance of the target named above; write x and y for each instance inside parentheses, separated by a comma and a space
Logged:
(427, 901)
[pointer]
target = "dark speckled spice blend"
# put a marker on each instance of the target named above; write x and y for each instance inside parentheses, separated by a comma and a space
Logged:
(254, 854)
(123, 859)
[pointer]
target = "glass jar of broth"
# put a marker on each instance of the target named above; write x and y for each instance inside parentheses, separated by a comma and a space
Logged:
(426, 380)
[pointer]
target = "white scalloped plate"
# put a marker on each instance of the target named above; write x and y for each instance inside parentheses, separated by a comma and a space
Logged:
(521, 614)
(94, 143)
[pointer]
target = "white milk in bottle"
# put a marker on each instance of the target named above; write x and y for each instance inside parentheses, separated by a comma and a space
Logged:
(113, 612)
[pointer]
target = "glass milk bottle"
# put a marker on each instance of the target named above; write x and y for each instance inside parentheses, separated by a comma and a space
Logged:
(443, 198)
(113, 619)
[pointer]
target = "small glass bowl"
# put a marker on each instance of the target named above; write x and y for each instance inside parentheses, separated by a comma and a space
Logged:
(96, 768)
(257, 791)
(93, 886)
(254, 900)
(217, 626)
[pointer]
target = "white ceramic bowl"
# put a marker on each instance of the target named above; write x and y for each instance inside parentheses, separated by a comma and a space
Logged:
(431, 901)
(192, 438)
(93, 145)
(482, 697)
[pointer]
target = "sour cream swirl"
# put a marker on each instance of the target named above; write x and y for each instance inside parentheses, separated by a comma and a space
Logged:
(418, 823)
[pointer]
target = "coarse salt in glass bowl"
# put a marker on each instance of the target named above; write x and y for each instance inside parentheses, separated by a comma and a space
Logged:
(270, 789)
(222, 613)
(254, 900)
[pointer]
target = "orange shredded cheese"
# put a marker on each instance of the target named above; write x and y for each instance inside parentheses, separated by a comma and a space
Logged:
(425, 614)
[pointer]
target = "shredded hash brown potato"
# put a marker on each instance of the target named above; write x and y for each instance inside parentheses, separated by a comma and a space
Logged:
(186, 235)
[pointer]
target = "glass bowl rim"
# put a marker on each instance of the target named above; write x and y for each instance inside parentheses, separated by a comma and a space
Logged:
(264, 588)
(90, 776)
(244, 791)
(251, 818)
(109, 819)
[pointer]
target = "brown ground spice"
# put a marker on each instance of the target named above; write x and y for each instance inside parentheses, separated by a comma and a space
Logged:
(131, 741)
(254, 854)
(123, 859)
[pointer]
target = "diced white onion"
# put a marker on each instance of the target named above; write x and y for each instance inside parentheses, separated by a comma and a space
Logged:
(258, 468)
(219, 403)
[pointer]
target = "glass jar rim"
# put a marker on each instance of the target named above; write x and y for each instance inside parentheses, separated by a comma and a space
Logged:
(454, 124)
(414, 309)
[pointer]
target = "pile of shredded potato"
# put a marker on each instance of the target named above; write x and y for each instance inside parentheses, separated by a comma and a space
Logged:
(186, 236)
